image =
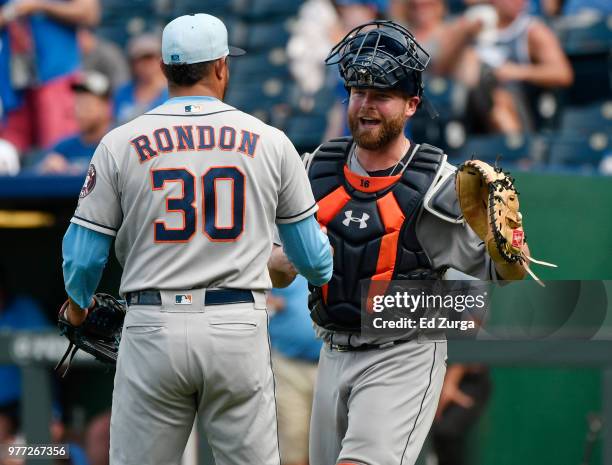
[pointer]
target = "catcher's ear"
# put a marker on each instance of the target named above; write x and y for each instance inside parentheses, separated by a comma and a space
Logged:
(412, 103)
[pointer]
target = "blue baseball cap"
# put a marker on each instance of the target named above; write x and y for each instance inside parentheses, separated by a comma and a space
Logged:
(196, 38)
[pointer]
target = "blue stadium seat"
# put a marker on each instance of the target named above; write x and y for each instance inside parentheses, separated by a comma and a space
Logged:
(440, 94)
(316, 104)
(121, 29)
(578, 151)
(260, 66)
(588, 48)
(255, 37)
(489, 147)
(421, 128)
(127, 5)
(544, 107)
(588, 39)
(212, 7)
(587, 119)
(305, 131)
(264, 10)
(252, 95)
(592, 78)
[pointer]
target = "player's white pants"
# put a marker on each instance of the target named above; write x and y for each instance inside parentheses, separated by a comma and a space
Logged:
(214, 360)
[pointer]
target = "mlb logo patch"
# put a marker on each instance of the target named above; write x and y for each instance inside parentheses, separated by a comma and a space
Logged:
(193, 108)
(175, 58)
(182, 299)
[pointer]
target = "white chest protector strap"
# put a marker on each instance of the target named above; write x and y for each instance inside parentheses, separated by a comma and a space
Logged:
(441, 200)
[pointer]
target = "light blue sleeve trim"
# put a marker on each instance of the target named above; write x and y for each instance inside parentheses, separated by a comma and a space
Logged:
(85, 254)
(307, 247)
(190, 98)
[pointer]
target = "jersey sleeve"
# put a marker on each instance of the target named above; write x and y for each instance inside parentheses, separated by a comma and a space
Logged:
(99, 206)
(454, 245)
(85, 253)
(295, 198)
(307, 247)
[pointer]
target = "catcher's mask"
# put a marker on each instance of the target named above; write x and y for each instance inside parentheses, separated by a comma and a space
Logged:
(381, 55)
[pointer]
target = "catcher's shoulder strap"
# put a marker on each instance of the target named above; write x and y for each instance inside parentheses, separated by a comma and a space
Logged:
(328, 155)
(441, 199)
(324, 165)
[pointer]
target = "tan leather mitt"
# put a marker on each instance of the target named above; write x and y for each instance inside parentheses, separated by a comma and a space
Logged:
(490, 205)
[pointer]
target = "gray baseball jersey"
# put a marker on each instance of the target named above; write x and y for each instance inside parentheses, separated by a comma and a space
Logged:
(192, 190)
(377, 406)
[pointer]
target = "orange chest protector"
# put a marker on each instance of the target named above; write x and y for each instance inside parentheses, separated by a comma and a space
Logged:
(371, 223)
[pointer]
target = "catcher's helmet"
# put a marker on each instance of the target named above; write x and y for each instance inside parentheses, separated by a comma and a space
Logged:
(382, 55)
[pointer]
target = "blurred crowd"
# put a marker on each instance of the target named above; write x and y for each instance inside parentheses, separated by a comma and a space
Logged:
(516, 73)
(506, 77)
(499, 74)
(62, 86)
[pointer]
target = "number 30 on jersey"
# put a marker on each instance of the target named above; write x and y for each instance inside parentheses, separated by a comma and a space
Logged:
(187, 205)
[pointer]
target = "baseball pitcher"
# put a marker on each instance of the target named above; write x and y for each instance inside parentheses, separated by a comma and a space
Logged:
(191, 191)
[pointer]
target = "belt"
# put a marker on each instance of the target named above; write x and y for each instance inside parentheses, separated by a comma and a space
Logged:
(212, 297)
(362, 347)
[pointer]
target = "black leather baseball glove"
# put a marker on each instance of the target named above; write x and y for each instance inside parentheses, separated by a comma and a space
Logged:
(100, 333)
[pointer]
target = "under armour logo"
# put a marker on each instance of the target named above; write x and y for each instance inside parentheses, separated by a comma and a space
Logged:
(362, 221)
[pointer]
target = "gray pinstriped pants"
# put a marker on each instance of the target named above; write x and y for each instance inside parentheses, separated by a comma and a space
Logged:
(375, 407)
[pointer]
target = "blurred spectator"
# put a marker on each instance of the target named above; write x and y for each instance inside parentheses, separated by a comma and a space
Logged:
(311, 40)
(9, 422)
(319, 25)
(521, 51)
(17, 312)
(9, 434)
(464, 395)
(93, 113)
(102, 56)
(59, 436)
(354, 13)
(148, 88)
(294, 359)
(37, 62)
(97, 439)
(351, 13)
(446, 42)
(9, 159)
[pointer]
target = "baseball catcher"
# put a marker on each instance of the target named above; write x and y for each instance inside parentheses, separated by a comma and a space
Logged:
(394, 209)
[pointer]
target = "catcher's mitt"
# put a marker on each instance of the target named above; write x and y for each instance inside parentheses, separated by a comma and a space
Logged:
(490, 205)
(100, 333)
